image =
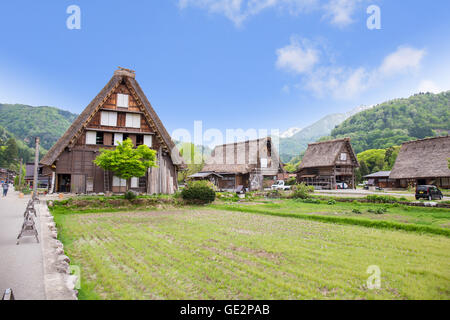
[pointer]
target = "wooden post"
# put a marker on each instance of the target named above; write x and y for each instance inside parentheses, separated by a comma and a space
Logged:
(36, 164)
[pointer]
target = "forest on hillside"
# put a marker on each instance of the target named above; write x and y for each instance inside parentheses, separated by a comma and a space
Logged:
(394, 122)
(27, 122)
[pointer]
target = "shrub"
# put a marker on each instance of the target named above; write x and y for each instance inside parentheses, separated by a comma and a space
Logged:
(130, 195)
(291, 181)
(378, 210)
(381, 199)
(302, 191)
(199, 192)
(357, 211)
(26, 189)
(331, 202)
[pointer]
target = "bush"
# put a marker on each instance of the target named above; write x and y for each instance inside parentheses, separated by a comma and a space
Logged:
(331, 202)
(130, 195)
(381, 199)
(26, 189)
(291, 181)
(302, 191)
(199, 192)
(357, 211)
(378, 210)
(309, 200)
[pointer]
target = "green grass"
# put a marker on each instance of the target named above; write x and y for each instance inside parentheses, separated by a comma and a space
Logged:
(433, 218)
(216, 254)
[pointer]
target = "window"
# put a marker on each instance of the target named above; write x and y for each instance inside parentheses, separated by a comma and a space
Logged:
(134, 182)
(99, 139)
(139, 140)
(91, 137)
(122, 100)
(117, 182)
(108, 119)
(133, 120)
(148, 140)
(263, 163)
(118, 137)
(343, 156)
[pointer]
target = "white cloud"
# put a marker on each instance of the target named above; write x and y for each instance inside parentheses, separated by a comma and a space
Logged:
(324, 78)
(297, 57)
(429, 86)
(403, 60)
(340, 12)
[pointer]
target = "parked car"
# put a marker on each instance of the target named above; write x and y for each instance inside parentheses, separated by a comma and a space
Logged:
(280, 185)
(428, 192)
(342, 185)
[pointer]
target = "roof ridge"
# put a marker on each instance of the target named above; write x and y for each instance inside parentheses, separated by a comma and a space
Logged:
(426, 139)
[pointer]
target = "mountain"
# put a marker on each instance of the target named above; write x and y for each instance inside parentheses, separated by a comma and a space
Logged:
(26, 122)
(291, 147)
(290, 132)
(394, 122)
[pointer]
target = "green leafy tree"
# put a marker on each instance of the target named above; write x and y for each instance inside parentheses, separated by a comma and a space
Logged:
(11, 153)
(125, 161)
(364, 171)
(194, 158)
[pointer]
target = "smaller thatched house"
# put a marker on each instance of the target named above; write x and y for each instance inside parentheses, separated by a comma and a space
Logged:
(327, 163)
(380, 179)
(43, 180)
(252, 165)
(423, 162)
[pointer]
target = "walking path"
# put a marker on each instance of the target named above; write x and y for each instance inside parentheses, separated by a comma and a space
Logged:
(21, 266)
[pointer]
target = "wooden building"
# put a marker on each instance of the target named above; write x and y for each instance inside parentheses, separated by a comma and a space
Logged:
(43, 180)
(120, 111)
(380, 179)
(252, 164)
(327, 163)
(423, 162)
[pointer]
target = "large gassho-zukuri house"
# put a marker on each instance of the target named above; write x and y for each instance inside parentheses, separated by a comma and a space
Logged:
(248, 165)
(423, 162)
(120, 111)
(327, 163)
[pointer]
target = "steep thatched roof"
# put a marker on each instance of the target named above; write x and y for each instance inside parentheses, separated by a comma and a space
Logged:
(244, 157)
(120, 76)
(425, 158)
(326, 153)
(379, 174)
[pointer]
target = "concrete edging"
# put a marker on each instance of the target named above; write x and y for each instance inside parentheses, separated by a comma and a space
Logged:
(58, 283)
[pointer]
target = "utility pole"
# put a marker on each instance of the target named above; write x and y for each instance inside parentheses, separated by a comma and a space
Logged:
(36, 164)
(20, 174)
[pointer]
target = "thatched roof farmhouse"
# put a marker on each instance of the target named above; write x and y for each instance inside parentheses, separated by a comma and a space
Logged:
(423, 162)
(327, 163)
(248, 164)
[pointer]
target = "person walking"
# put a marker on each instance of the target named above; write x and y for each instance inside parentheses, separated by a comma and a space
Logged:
(5, 187)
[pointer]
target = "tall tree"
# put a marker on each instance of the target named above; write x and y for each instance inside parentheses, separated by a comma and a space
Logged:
(11, 153)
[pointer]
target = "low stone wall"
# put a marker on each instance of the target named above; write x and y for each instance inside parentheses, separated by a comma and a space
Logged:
(59, 284)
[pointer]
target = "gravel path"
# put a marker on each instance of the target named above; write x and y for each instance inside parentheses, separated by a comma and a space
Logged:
(21, 266)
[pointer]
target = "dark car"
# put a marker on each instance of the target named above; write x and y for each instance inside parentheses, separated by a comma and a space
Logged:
(428, 192)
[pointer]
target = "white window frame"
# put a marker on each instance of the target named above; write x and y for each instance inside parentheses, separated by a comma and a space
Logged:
(91, 137)
(148, 140)
(118, 137)
(122, 100)
(264, 162)
(343, 156)
(133, 120)
(134, 183)
(108, 118)
(117, 182)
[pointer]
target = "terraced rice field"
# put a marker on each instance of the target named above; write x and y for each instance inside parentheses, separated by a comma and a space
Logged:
(211, 254)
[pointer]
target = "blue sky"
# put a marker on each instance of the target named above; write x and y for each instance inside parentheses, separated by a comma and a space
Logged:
(230, 63)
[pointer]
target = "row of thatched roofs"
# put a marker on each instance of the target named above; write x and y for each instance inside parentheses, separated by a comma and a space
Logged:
(421, 158)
